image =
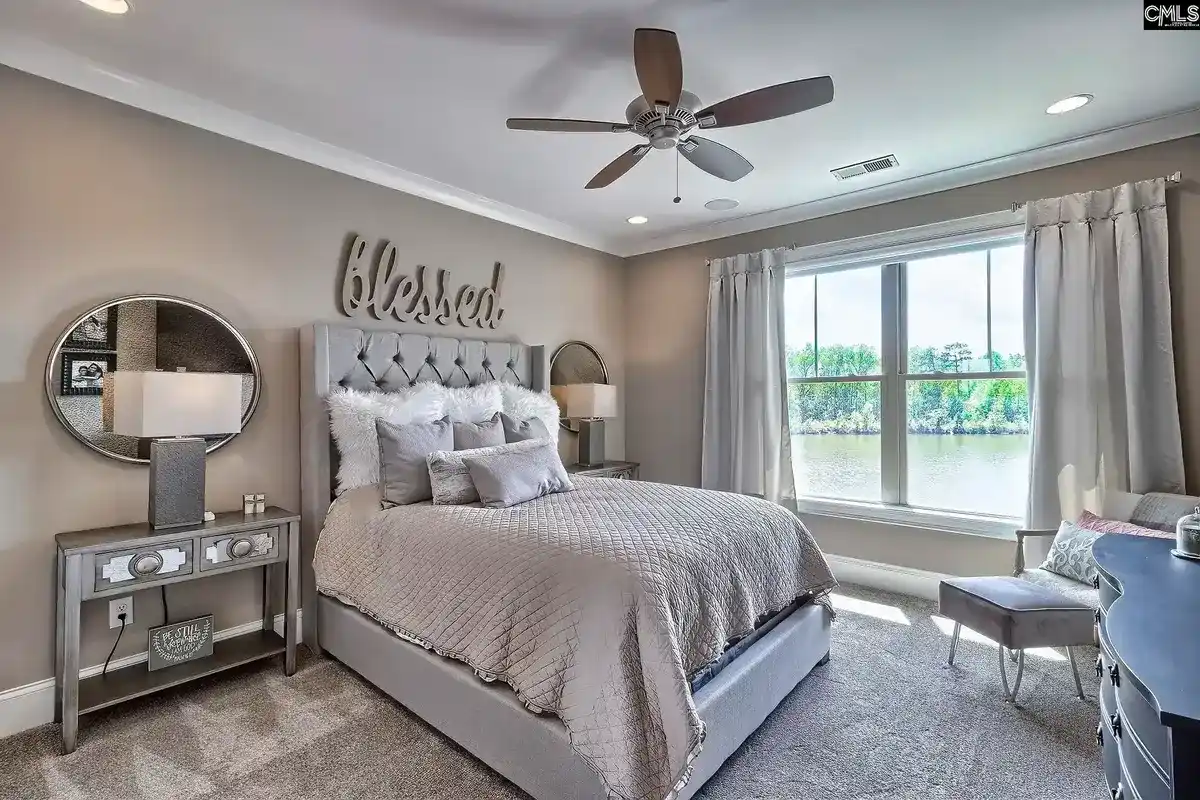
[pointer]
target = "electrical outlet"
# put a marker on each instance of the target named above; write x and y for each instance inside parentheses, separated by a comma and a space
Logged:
(117, 606)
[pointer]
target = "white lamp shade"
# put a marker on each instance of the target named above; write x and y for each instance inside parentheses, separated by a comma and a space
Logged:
(590, 400)
(152, 404)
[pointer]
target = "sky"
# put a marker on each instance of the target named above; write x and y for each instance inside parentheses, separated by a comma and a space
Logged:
(947, 302)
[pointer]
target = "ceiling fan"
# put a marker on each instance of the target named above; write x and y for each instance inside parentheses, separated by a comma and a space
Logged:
(664, 113)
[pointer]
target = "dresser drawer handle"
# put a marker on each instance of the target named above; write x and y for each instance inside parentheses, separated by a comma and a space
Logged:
(1114, 675)
(1100, 735)
(1115, 719)
(1099, 666)
(241, 547)
(147, 564)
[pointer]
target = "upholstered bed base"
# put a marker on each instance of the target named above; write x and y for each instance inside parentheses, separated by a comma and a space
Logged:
(533, 751)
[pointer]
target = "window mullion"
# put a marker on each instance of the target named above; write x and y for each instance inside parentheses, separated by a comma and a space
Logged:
(892, 388)
(989, 309)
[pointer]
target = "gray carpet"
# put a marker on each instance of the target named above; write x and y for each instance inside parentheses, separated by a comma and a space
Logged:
(884, 719)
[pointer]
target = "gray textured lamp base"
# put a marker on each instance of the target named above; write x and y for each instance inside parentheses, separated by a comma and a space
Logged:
(176, 482)
(591, 442)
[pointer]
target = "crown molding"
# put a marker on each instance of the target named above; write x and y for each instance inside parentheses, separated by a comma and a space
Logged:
(1093, 145)
(37, 58)
(61, 66)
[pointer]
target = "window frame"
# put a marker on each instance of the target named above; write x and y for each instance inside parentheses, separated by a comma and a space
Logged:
(891, 253)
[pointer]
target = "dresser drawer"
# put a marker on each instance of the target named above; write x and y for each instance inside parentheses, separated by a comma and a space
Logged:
(1145, 780)
(235, 550)
(1108, 591)
(117, 569)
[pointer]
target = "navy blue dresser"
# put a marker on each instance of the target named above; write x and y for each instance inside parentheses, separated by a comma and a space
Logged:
(1150, 669)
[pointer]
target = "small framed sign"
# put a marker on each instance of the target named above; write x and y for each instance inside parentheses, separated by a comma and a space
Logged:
(180, 641)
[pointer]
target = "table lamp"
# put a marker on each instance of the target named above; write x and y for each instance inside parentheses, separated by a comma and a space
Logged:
(174, 409)
(590, 403)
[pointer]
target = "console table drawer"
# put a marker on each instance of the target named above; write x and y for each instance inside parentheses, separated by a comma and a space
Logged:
(124, 568)
(232, 550)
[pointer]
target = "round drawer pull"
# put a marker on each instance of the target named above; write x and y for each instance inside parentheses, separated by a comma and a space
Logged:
(240, 548)
(146, 564)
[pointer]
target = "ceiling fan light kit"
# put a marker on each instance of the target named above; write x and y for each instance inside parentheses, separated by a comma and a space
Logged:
(665, 114)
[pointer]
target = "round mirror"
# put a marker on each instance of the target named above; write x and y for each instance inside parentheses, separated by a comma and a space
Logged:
(575, 362)
(141, 334)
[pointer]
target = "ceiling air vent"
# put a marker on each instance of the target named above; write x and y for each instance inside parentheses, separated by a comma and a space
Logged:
(864, 167)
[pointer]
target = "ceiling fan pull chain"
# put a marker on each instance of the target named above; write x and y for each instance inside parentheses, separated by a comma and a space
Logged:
(678, 199)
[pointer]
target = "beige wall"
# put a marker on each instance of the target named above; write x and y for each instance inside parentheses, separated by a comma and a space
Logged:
(666, 296)
(99, 200)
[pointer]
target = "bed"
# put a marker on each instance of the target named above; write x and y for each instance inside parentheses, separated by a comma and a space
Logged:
(732, 695)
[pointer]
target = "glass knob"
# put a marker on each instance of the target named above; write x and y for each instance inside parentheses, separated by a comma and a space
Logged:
(147, 563)
(240, 548)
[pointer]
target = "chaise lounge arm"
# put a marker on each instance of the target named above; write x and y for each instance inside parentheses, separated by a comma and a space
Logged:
(1019, 562)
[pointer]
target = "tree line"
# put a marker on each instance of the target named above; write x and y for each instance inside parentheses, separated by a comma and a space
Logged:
(944, 406)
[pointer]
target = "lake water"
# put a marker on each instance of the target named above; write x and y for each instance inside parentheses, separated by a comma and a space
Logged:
(985, 474)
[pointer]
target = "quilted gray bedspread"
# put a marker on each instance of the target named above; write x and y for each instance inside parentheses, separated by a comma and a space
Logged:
(594, 605)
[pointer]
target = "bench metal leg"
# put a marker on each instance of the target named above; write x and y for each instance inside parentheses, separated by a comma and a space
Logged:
(1011, 696)
(1075, 672)
(954, 642)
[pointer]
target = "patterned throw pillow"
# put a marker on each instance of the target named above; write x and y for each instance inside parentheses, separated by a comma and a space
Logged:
(1071, 553)
(1089, 521)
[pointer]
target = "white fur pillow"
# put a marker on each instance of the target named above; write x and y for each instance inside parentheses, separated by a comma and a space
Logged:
(523, 404)
(468, 403)
(352, 416)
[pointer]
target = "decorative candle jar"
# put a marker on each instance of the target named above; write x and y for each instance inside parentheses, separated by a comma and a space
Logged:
(1187, 536)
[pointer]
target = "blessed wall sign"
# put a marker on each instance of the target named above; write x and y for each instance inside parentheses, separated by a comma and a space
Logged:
(380, 289)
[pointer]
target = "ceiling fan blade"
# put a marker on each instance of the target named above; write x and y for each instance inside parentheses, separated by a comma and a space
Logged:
(771, 102)
(659, 65)
(565, 125)
(619, 166)
(715, 159)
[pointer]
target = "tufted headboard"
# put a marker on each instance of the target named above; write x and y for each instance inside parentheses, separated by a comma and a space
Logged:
(337, 355)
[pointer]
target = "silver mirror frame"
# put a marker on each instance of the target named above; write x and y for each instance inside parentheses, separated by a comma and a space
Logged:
(563, 422)
(166, 298)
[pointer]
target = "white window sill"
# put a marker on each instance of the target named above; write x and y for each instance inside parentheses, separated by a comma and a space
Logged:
(971, 524)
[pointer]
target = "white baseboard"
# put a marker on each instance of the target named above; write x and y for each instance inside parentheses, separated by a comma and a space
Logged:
(32, 705)
(889, 577)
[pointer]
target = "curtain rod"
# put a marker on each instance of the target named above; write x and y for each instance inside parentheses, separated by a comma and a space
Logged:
(1174, 177)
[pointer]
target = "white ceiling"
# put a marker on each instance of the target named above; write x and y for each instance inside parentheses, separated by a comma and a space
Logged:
(414, 93)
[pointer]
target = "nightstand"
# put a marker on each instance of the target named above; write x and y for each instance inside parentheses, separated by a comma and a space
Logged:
(626, 470)
(107, 562)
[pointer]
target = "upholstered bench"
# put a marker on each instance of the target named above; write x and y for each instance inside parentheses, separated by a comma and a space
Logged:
(1017, 614)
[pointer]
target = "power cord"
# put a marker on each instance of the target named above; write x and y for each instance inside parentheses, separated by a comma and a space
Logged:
(166, 613)
(114, 647)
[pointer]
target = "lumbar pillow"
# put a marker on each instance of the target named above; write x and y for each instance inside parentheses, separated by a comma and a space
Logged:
(352, 416)
(450, 478)
(1071, 553)
(516, 430)
(470, 403)
(506, 478)
(525, 404)
(473, 435)
(403, 450)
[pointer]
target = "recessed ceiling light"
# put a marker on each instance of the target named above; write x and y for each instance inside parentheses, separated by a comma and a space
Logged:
(721, 204)
(108, 6)
(1069, 104)
(638, 220)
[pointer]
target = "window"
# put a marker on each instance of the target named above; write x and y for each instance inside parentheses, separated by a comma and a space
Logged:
(907, 380)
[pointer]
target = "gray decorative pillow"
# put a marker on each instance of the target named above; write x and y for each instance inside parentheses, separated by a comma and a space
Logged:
(473, 435)
(451, 480)
(1071, 553)
(403, 450)
(504, 479)
(516, 430)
